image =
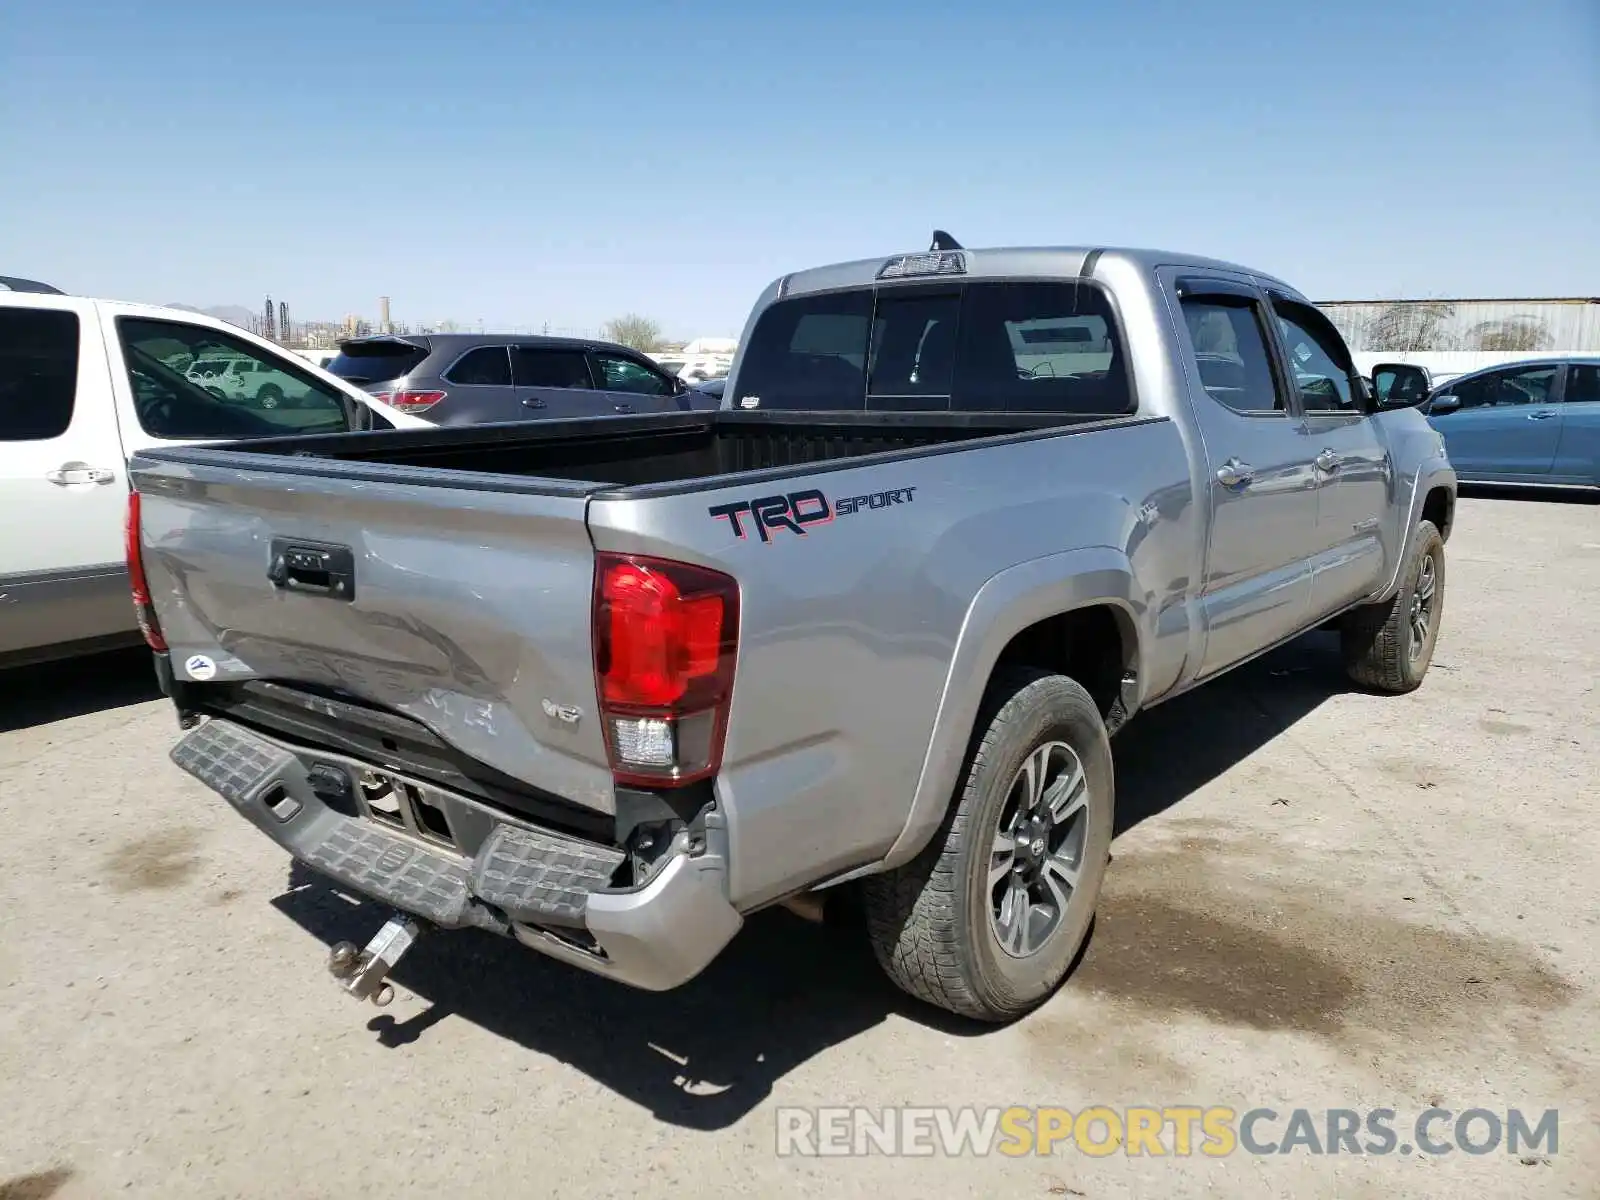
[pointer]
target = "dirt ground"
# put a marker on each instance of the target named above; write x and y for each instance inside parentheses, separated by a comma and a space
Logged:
(1318, 899)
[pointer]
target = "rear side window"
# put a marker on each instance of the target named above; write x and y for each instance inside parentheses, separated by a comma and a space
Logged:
(255, 394)
(809, 353)
(1583, 385)
(1040, 347)
(375, 362)
(38, 373)
(1230, 351)
(550, 368)
(487, 366)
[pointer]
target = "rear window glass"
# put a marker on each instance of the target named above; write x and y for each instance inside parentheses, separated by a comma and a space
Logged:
(375, 362)
(38, 373)
(1039, 347)
(809, 353)
(979, 347)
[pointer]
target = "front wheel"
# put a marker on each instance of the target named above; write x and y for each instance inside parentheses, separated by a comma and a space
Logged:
(270, 396)
(1389, 646)
(988, 919)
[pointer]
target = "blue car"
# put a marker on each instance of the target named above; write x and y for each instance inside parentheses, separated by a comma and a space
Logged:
(1526, 423)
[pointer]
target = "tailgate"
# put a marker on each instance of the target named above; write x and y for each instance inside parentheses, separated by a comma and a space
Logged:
(464, 607)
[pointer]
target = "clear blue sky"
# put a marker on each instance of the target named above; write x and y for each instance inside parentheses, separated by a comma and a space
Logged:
(525, 162)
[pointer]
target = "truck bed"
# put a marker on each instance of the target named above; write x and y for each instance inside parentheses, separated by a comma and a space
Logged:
(651, 454)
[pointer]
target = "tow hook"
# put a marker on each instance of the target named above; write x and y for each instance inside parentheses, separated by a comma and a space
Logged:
(364, 973)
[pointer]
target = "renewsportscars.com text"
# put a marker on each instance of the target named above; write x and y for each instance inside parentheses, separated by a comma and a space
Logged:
(1159, 1131)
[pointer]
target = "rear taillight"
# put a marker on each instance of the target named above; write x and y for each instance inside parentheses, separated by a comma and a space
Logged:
(142, 607)
(665, 635)
(409, 401)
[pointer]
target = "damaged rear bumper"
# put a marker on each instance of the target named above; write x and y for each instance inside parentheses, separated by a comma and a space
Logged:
(551, 891)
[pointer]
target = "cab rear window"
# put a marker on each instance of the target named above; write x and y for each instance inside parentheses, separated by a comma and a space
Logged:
(1034, 347)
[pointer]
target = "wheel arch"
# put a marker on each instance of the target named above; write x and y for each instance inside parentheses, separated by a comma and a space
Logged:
(1078, 611)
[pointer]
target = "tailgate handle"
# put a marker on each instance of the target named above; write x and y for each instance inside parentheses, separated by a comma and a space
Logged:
(313, 568)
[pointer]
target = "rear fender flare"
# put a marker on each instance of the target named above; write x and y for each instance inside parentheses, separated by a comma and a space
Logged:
(1007, 604)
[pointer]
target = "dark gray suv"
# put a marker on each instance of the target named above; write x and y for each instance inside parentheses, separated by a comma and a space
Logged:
(471, 378)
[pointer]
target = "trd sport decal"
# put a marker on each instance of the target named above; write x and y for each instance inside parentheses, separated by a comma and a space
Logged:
(799, 512)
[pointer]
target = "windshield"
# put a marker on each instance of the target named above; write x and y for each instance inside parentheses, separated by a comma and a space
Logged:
(375, 362)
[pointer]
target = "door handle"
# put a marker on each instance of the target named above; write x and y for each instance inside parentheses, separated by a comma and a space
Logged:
(67, 476)
(1543, 414)
(534, 404)
(1329, 461)
(1236, 474)
(624, 407)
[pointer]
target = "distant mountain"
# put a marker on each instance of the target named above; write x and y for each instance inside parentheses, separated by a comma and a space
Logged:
(234, 314)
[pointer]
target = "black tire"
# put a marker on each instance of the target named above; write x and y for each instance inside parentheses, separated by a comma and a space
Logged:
(270, 396)
(931, 922)
(1381, 647)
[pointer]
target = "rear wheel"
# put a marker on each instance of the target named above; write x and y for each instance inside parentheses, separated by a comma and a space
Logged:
(987, 920)
(1389, 646)
(270, 396)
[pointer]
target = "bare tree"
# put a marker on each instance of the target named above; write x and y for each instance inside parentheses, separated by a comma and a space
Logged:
(633, 331)
(1414, 326)
(449, 326)
(1517, 334)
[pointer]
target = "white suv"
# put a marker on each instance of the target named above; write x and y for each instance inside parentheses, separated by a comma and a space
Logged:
(83, 385)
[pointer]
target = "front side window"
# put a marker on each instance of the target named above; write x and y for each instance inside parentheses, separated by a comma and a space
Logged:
(487, 366)
(1230, 351)
(1318, 360)
(38, 373)
(619, 374)
(270, 397)
(1515, 386)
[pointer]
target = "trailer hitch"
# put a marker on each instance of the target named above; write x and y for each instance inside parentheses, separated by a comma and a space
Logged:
(364, 973)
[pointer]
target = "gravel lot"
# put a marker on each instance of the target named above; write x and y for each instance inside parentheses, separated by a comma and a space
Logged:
(1319, 899)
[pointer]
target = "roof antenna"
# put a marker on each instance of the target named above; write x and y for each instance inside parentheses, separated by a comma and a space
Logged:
(943, 241)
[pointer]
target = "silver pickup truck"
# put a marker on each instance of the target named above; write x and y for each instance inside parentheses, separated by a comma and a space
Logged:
(608, 686)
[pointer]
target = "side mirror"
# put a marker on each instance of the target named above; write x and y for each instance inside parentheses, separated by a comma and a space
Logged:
(1400, 385)
(1447, 402)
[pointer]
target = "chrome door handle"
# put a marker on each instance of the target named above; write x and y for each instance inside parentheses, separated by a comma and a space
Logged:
(70, 475)
(534, 404)
(1235, 474)
(624, 407)
(1542, 415)
(1329, 461)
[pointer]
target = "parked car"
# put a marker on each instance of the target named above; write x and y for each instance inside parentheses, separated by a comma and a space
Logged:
(261, 384)
(608, 686)
(1529, 423)
(465, 379)
(707, 395)
(83, 384)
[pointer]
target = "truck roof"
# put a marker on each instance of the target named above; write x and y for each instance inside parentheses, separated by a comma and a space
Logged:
(1010, 261)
